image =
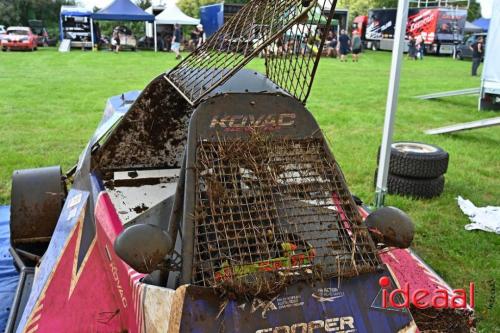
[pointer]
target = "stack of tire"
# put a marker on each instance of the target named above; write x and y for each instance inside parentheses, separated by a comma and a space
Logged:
(416, 169)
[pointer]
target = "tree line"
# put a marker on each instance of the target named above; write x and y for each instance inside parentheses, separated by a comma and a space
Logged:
(356, 7)
(19, 12)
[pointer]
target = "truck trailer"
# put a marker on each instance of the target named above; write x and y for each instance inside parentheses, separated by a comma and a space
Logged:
(212, 17)
(440, 28)
(75, 25)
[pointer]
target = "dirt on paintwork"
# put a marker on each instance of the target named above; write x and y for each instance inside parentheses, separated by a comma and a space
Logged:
(152, 134)
(137, 182)
(139, 209)
(433, 320)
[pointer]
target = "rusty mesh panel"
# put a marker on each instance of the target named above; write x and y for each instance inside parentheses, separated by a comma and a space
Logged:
(269, 211)
(251, 31)
(291, 61)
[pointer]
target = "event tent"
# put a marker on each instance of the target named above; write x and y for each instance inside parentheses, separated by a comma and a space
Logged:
(172, 15)
(482, 22)
(472, 28)
(122, 10)
(490, 81)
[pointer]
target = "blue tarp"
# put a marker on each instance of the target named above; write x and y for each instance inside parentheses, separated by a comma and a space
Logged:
(482, 23)
(122, 10)
(8, 273)
(75, 13)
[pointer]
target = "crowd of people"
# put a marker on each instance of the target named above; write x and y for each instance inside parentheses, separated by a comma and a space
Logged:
(344, 45)
(416, 48)
(172, 40)
(334, 47)
(340, 46)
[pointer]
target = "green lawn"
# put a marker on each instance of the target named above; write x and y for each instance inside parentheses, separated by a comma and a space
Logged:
(50, 103)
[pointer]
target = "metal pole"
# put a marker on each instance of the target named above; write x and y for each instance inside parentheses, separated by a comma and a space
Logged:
(154, 33)
(92, 33)
(392, 102)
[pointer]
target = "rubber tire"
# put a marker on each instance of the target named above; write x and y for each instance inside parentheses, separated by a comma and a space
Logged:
(459, 56)
(37, 198)
(418, 165)
(414, 187)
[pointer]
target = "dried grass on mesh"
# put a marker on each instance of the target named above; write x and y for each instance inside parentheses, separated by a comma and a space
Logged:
(231, 232)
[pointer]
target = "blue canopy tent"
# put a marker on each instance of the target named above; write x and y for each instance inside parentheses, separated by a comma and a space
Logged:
(123, 10)
(482, 23)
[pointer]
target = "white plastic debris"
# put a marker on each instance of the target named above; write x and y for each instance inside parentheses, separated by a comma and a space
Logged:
(483, 218)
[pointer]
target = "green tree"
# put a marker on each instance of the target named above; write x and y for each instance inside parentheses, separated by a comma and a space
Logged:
(8, 13)
(144, 4)
(19, 12)
(474, 11)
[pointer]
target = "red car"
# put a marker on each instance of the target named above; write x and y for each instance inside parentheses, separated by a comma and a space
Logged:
(19, 38)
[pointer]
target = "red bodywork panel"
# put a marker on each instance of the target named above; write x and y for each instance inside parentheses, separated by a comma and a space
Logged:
(103, 294)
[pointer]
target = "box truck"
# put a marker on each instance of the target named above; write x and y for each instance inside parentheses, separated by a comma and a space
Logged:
(440, 28)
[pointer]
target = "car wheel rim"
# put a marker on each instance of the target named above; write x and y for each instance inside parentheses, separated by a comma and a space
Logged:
(414, 147)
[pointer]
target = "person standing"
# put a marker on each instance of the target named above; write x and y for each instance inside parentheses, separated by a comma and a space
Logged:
(176, 41)
(331, 46)
(202, 35)
(116, 40)
(193, 42)
(477, 54)
(420, 47)
(356, 46)
(344, 45)
(411, 48)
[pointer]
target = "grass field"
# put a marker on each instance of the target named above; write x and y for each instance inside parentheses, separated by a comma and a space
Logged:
(50, 103)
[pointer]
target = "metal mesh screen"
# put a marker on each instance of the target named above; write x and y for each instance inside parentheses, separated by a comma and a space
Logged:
(269, 211)
(251, 31)
(291, 60)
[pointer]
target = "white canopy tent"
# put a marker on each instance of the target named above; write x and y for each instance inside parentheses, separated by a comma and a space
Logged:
(172, 15)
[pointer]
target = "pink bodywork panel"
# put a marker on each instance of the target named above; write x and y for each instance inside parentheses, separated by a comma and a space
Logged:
(123, 280)
(90, 303)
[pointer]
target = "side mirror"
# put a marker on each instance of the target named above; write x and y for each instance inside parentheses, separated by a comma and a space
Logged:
(143, 247)
(391, 226)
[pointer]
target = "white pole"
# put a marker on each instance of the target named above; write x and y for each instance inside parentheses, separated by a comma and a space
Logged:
(92, 33)
(392, 102)
(154, 33)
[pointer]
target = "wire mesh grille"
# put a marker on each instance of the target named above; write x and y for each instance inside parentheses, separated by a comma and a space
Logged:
(270, 211)
(251, 31)
(292, 59)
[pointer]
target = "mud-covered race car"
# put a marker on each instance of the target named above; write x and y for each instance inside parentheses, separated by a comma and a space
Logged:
(211, 202)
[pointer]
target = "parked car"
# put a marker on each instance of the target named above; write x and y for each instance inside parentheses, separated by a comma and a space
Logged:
(127, 38)
(43, 36)
(19, 38)
(2, 32)
(464, 49)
